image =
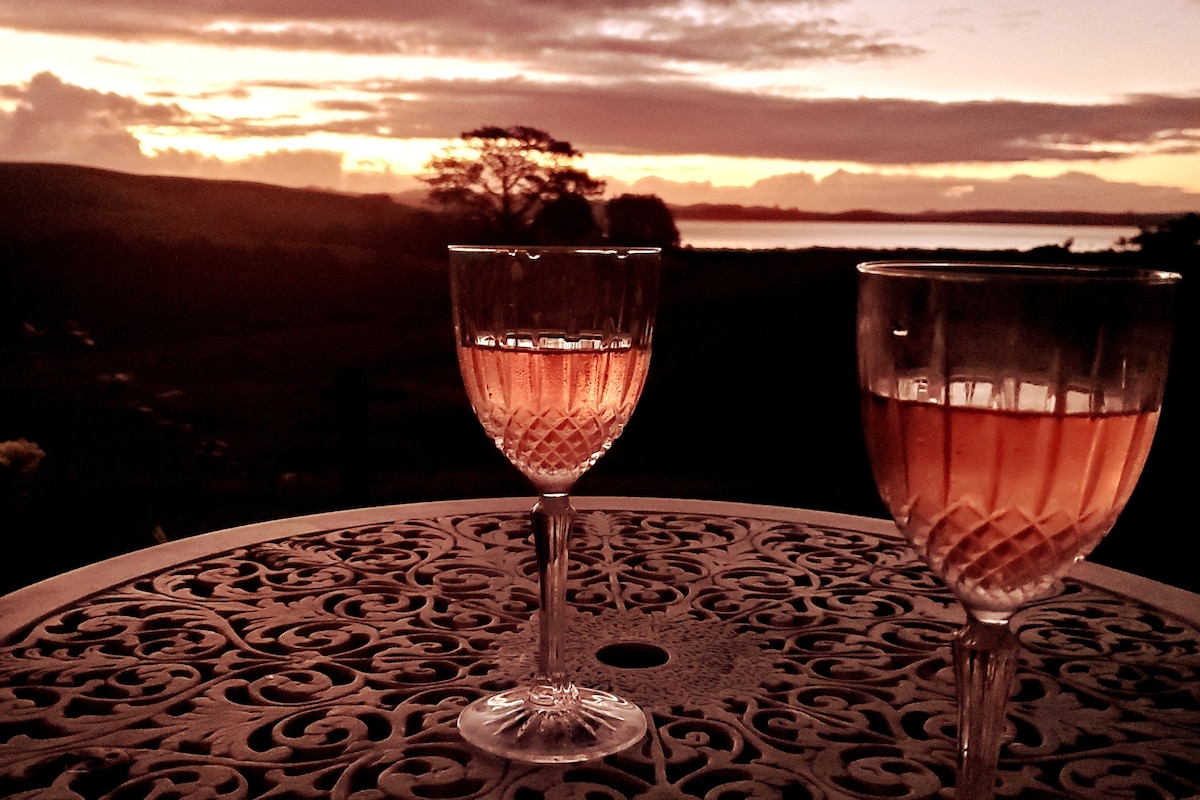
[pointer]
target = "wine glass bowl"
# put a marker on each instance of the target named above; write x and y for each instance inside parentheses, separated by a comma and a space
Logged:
(553, 405)
(1008, 411)
(554, 346)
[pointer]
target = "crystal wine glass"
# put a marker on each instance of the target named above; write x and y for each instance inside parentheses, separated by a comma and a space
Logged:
(1008, 411)
(554, 345)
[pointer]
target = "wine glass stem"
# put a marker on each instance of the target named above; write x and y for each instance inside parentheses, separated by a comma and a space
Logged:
(551, 518)
(985, 661)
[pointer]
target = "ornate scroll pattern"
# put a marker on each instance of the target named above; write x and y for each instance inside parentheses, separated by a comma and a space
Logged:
(774, 660)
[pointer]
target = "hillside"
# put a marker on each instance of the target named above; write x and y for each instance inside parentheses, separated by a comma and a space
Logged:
(133, 257)
(192, 355)
(57, 199)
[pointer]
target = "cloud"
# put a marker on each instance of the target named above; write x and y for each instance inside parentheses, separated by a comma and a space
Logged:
(622, 76)
(59, 122)
(56, 121)
(845, 191)
(578, 37)
(52, 120)
(673, 117)
(658, 118)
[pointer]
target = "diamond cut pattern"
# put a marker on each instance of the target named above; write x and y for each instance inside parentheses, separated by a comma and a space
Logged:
(553, 412)
(1002, 504)
(553, 446)
(1001, 560)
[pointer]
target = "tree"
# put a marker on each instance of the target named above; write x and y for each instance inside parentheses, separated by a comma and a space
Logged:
(566, 220)
(1173, 243)
(641, 219)
(500, 178)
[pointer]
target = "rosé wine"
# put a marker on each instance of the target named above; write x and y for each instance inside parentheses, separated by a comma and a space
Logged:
(1001, 503)
(553, 406)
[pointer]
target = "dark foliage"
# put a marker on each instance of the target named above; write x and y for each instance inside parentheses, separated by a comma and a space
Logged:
(227, 353)
(641, 220)
(566, 220)
(1174, 244)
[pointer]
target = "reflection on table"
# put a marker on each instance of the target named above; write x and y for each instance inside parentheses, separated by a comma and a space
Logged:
(776, 653)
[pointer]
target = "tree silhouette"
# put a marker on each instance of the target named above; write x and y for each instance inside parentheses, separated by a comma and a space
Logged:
(1173, 243)
(566, 220)
(499, 178)
(641, 219)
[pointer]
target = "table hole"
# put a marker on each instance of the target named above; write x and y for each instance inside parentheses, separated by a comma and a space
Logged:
(633, 655)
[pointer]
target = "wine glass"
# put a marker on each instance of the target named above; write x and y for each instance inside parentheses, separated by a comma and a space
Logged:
(1008, 411)
(553, 345)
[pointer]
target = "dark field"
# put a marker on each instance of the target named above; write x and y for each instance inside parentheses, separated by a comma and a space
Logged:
(225, 356)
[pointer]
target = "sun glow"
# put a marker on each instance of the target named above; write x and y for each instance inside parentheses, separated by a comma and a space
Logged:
(714, 170)
(340, 92)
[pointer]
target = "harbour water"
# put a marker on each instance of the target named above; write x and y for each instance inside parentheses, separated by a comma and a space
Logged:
(760, 235)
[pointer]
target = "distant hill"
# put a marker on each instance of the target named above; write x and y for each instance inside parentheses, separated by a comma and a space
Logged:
(56, 199)
(709, 211)
(145, 257)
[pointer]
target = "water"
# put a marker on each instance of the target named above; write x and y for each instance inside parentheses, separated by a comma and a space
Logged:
(759, 235)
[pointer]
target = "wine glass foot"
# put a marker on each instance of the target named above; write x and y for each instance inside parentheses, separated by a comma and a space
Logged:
(514, 725)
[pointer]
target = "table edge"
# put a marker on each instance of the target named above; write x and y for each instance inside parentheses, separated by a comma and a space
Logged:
(28, 604)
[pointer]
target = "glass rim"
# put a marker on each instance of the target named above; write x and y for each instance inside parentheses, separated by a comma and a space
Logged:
(537, 249)
(968, 271)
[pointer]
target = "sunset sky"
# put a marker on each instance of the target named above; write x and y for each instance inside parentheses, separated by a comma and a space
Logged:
(814, 104)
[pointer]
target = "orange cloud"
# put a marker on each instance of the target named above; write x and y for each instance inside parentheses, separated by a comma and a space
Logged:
(52, 120)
